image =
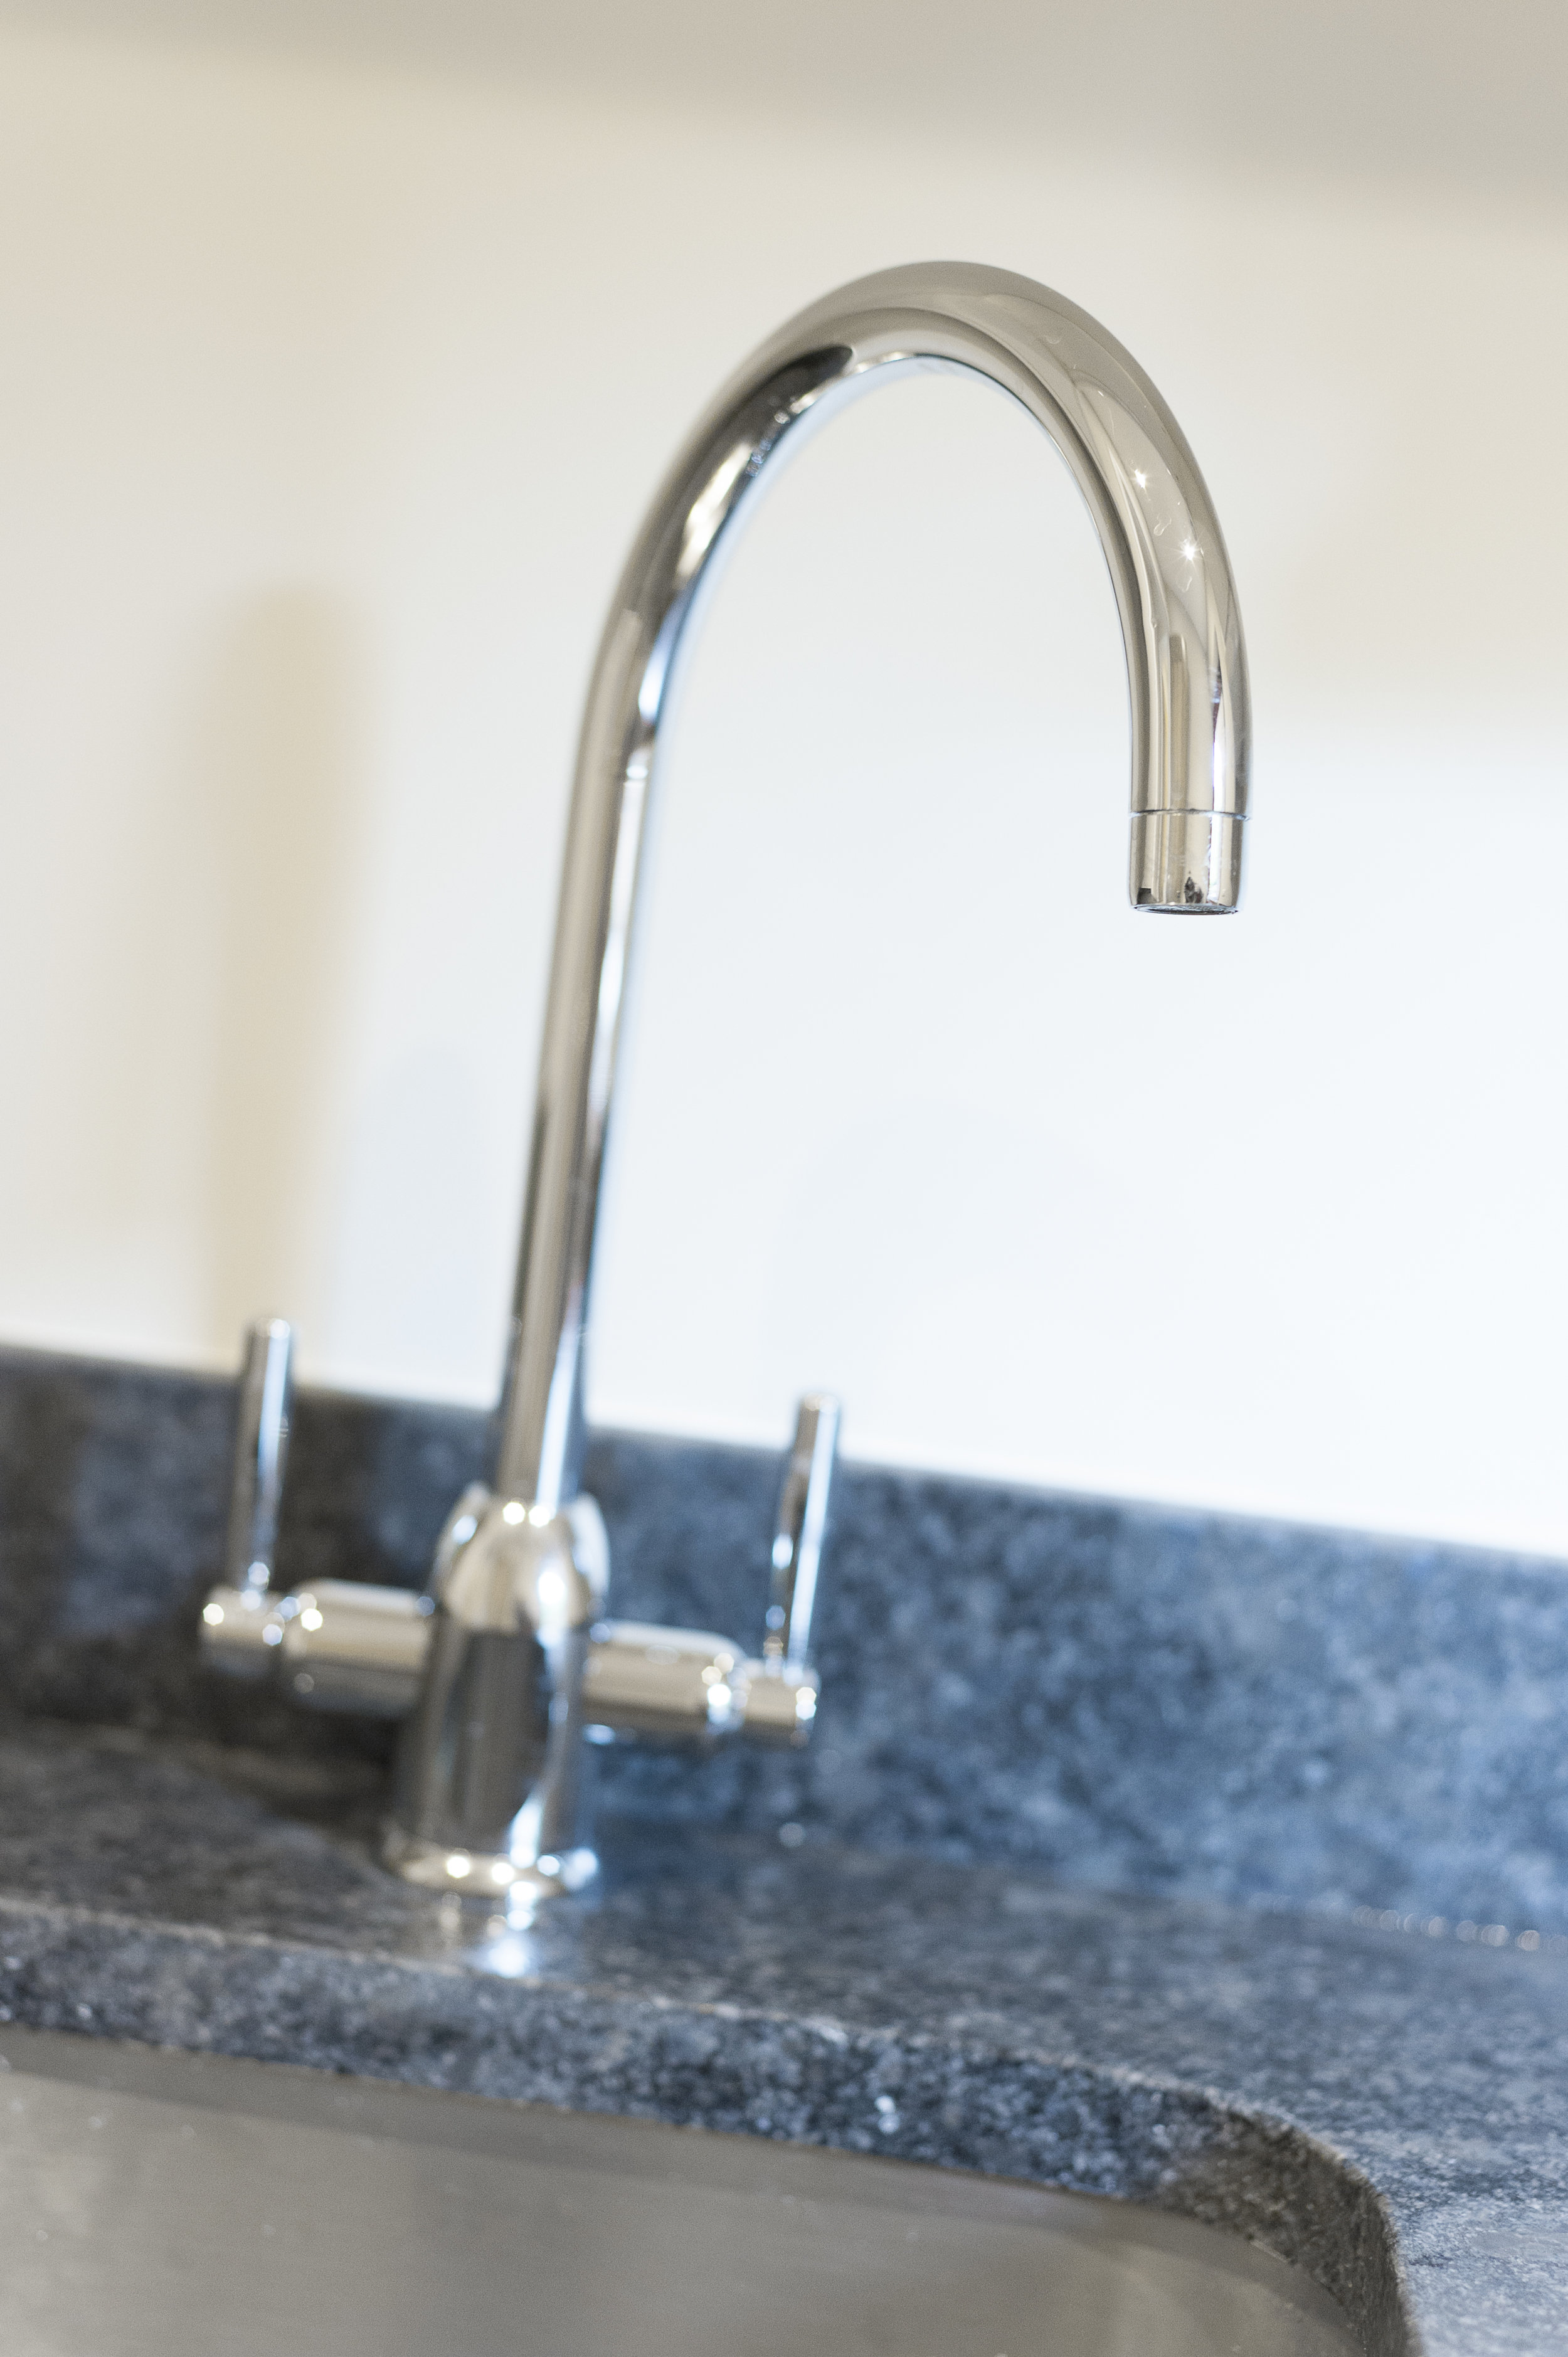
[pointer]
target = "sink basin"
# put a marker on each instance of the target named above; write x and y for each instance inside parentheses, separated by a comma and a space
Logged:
(172, 2203)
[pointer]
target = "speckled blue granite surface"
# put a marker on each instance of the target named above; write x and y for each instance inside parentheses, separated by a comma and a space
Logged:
(1122, 1696)
(1061, 1740)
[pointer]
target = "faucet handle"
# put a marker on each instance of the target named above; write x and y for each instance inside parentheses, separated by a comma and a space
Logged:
(798, 1531)
(261, 1453)
(236, 1611)
(690, 1685)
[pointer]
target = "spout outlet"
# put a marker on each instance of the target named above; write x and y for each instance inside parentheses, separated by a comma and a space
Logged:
(1187, 863)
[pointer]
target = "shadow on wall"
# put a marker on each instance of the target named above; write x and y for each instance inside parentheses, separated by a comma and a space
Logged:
(277, 767)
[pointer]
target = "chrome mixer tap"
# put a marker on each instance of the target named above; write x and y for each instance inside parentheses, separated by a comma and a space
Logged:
(508, 1670)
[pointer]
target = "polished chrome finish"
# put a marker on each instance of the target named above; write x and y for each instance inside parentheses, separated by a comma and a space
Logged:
(687, 1686)
(488, 1875)
(350, 1646)
(683, 1684)
(491, 1761)
(237, 1632)
(799, 1525)
(504, 1664)
(233, 1619)
(200, 2206)
(1185, 861)
(345, 1645)
(1187, 676)
(261, 1453)
(516, 1663)
(490, 1782)
(777, 1702)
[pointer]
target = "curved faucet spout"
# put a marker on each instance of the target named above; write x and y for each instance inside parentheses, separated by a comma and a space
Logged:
(1186, 673)
(490, 1793)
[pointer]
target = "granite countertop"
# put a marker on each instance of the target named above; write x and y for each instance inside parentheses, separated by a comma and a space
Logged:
(1389, 2109)
(1215, 1863)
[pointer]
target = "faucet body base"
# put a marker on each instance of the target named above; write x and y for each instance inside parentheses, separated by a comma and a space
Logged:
(488, 1875)
(491, 1764)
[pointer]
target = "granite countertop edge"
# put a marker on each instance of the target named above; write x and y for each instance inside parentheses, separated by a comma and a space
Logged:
(1202, 2151)
(1308, 2082)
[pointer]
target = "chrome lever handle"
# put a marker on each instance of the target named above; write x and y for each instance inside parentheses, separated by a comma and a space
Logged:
(234, 1617)
(261, 1453)
(799, 1525)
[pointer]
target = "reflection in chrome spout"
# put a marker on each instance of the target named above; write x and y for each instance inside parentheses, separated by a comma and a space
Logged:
(1187, 678)
(491, 1760)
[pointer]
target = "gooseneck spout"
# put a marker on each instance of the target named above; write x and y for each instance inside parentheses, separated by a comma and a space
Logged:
(1187, 676)
(487, 1765)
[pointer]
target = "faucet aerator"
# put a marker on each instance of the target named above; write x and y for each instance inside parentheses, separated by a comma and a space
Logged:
(1185, 863)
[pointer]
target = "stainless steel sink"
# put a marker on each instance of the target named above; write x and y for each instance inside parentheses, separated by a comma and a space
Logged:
(173, 2203)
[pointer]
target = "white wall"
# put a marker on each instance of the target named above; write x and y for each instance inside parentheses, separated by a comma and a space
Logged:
(334, 381)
